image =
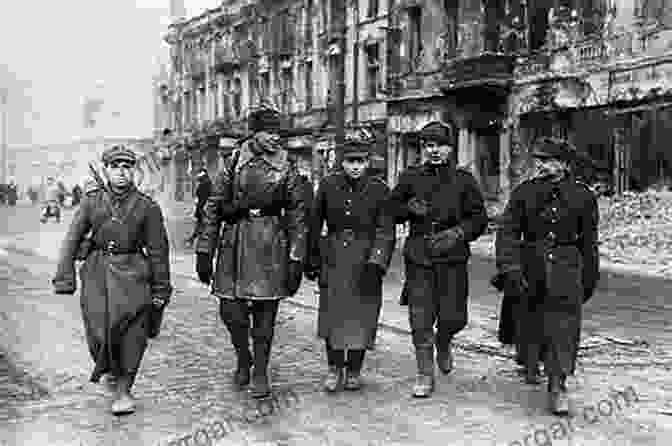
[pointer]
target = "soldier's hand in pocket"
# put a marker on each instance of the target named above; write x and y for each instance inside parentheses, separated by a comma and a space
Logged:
(294, 274)
(204, 268)
(418, 207)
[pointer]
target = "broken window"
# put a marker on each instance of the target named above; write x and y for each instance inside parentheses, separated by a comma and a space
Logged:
(372, 10)
(308, 85)
(372, 69)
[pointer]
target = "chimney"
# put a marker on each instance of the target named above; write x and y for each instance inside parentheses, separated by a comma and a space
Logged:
(177, 10)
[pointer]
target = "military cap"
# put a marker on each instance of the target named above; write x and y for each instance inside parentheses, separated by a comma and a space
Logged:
(118, 153)
(264, 118)
(438, 132)
(355, 148)
(546, 148)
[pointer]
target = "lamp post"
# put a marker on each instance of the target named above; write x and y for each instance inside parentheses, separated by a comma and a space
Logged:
(3, 103)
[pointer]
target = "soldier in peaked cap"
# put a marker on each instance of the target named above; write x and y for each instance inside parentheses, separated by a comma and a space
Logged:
(259, 199)
(350, 263)
(445, 208)
(546, 251)
(119, 234)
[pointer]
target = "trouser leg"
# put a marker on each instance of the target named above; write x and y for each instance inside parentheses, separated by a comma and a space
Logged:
(451, 294)
(422, 313)
(355, 360)
(335, 357)
(263, 316)
(236, 317)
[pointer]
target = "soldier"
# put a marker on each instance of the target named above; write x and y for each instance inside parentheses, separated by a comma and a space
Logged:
(203, 191)
(125, 276)
(261, 199)
(357, 253)
(446, 212)
(547, 253)
(52, 201)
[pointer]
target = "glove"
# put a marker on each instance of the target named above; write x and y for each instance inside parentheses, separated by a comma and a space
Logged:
(64, 286)
(515, 284)
(204, 267)
(294, 274)
(156, 316)
(312, 273)
(445, 240)
(418, 207)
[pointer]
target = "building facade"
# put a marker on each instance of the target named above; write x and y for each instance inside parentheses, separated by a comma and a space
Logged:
(227, 60)
(503, 72)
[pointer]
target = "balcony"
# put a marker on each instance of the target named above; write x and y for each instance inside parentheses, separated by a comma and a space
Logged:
(483, 70)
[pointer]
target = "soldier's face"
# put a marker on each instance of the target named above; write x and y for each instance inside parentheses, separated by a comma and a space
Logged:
(120, 173)
(355, 167)
(437, 153)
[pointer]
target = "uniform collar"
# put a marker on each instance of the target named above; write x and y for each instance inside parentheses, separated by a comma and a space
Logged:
(278, 160)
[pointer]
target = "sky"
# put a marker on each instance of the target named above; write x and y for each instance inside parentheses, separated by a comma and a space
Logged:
(55, 54)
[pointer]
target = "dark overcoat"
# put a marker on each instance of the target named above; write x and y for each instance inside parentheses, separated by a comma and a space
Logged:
(253, 253)
(127, 266)
(455, 200)
(549, 232)
(360, 230)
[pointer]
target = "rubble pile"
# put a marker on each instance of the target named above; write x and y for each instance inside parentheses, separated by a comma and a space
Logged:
(636, 228)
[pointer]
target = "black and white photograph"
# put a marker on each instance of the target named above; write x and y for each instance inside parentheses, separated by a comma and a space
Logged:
(336, 223)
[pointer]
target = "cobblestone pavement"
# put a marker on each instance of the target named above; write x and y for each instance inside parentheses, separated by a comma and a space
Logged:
(45, 398)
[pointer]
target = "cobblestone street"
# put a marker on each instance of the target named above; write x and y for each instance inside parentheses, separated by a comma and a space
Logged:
(184, 384)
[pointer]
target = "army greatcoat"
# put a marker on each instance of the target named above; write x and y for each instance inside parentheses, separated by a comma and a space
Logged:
(549, 232)
(360, 230)
(127, 265)
(253, 252)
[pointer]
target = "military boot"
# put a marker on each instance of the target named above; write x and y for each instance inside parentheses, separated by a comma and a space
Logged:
(124, 403)
(260, 384)
(558, 397)
(444, 358)
(241, 342)
(424, 382)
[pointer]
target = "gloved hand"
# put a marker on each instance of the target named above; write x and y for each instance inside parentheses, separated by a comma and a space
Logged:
(64, 286)
(204, 267)
(418, 207)
(515, 283)
(294, 274)
(312, 273)
(445, 240)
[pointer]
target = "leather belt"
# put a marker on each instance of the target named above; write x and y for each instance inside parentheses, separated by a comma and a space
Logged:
(112, 249)
(429, 229)
(262, 212)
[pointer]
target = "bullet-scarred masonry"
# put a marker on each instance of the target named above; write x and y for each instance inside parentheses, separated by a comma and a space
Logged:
(587, 416)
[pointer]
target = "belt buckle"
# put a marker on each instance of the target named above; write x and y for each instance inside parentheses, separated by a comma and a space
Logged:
(255, 212)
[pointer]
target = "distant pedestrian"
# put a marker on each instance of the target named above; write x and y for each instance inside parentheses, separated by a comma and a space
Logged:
(255, 221)
(203, 191)
(125, 276)
(351, 263)
(547, 254)
(445, 208)
(52, 202)
(76, 195)
(12, 193)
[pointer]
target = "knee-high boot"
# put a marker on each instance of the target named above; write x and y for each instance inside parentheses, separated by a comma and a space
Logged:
(261, 387)
(235, 317)
(424, 383)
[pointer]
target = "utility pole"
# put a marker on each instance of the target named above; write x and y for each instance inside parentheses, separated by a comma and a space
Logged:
(3, 102)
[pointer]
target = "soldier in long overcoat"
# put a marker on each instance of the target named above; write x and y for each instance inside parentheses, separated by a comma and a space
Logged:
(547, 253)
(258, 202)
(125, 276)
(445, 208)
(350, 262)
